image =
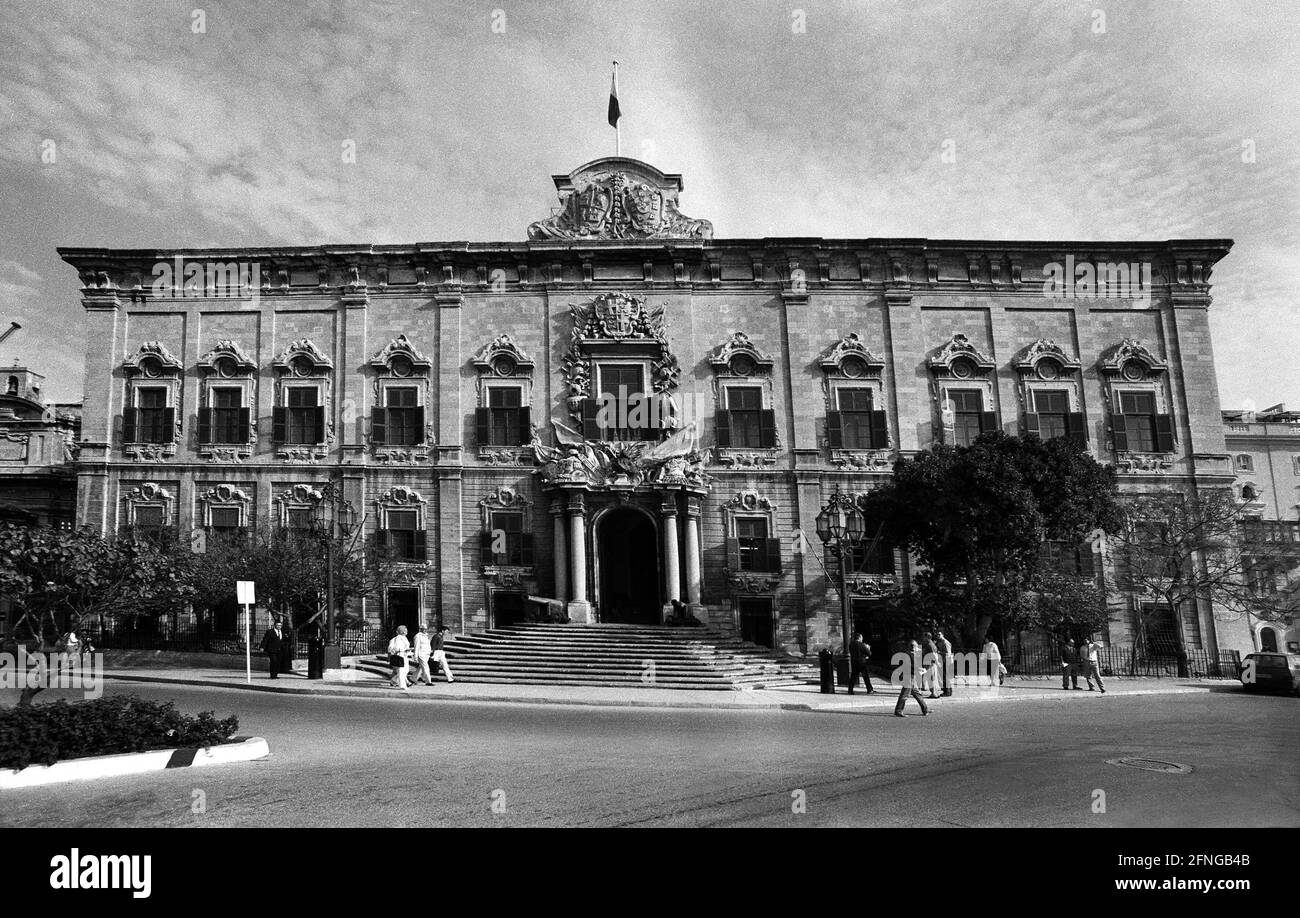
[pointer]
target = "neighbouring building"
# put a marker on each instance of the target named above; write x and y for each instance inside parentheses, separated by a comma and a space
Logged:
(38, 442)
(477, 402)
(1265, 450)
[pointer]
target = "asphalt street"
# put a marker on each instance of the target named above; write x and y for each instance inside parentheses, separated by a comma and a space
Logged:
(399, 762)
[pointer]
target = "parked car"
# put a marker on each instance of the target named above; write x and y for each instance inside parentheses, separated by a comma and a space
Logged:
(1277, 672)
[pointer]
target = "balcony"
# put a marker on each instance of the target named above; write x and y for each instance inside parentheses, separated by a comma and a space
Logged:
(1274, 531)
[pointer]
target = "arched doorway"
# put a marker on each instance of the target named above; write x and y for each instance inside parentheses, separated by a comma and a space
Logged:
(628, 566)
(1268, 640)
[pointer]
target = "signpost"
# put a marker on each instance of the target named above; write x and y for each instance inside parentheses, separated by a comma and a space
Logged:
(244, 594)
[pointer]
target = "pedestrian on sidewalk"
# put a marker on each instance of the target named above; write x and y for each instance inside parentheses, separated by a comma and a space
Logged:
(993, 660)
(440, 652)
(273, 646)
(1069, 665)
(859, 657)
(944, 649)
(423, 650)
(398, 648)
(1093, 654)
(911, 678)
(930, 660)
(287, 648)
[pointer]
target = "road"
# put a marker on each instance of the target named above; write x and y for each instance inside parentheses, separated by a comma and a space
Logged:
(401, 762)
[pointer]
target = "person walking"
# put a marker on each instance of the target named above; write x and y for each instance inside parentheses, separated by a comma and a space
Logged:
(440, 652)
(930, 660)
(944, 648)
(859, 657)
(911, 678)
(993, 660)
(287, 651)
(273, 646)
(1093, 654)
(423, 651)
(1069, 665)
(398, 648)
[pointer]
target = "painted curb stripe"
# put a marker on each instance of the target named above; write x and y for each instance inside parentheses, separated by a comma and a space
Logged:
(132, 763)
(182, 758)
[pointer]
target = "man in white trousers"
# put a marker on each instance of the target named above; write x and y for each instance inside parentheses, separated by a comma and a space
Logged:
(440, 655)
(423, 650)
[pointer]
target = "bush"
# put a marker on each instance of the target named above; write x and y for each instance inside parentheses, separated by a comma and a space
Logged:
(46, 733)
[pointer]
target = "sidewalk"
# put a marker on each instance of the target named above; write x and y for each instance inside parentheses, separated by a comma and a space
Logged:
(797, 698)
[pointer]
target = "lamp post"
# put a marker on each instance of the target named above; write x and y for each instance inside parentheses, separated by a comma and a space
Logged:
(841, 525)
(334, 517)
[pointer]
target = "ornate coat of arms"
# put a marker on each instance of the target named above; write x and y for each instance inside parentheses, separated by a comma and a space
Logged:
(626, 203)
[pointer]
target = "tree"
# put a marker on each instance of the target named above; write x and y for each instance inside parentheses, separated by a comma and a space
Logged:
(977, 515)
(1176, 550)
(1066, 606)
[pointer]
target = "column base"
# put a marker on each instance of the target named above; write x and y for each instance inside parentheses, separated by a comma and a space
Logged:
(579, 611)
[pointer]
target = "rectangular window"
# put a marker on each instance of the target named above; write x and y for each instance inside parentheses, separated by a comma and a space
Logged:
(511, 526)
(505, 426)
(1159, 630)
(401, 527)
(967, 407)
(863, 559)
(304, 416)
(403, 416)
(1138, 410)
(745, 405)
(227, 416)
(298, 519)
(622, 388)
(152, 416)
(855, 418)
(149, 520)
(751, 539)
(1052, 407)
(224, 517)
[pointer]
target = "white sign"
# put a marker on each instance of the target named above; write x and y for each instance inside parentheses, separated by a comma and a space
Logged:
(244, 592)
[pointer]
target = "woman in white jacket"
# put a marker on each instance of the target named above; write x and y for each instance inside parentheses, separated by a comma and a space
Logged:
(398, 648)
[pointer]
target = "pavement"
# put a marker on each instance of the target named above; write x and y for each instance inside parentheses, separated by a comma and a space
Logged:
(357, 683)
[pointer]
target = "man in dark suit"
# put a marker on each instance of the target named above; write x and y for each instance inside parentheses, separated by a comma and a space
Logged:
(273, 645)
(859, 657)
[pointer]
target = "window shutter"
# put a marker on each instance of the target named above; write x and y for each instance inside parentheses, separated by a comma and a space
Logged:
(1031, 422)
(525, 426)
(767, 428)
(879, 430)
(733, 555)
(1087, 564)
(245, 425)
(319, 423)
(1164, 426)
(1076, 428)
(379, 425)
(526, 548)
(834, 430)
(421, 545)
(590, 409)
(205, 425)
(169, 425)
(419, 424)
(485, 543)
(129, 424)
(1119, 432)
(988, 421)
(773, 554)
(722, 428)
(483, 426)
(279, 424)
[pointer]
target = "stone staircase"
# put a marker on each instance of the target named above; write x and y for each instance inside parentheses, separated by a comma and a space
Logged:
(637, 656)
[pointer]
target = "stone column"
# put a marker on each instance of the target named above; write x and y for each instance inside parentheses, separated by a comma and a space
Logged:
(560, 550)
(693, 555)
(672, 563)
(579, 608)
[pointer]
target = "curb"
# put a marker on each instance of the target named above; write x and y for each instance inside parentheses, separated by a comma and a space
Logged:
(133, 763)
(832, 707)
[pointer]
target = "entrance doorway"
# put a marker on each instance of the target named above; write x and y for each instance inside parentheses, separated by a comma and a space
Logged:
(871, 620)
(756, 621)
(629, 568)
(507, 608)
(404, 609)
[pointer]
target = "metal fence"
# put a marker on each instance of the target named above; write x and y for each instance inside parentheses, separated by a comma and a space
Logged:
(126, 634)
(1129, 660)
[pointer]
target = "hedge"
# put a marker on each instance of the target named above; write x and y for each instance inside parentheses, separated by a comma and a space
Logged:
(46, 733)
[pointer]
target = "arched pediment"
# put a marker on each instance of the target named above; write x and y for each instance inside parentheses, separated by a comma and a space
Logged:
(152, 354)
(1130, 350)
(957, 348)
(302, 348)
(400, 347)
(850, 346)
(739, 345)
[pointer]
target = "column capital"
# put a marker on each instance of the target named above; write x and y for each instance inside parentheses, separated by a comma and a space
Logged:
(668, 504)
(557, 506)
(577, 504)
(693, 505)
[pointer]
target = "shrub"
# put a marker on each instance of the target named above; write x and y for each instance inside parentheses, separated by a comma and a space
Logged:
(46, 733)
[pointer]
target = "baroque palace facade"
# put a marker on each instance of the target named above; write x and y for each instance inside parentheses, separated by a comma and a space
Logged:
(454, 391)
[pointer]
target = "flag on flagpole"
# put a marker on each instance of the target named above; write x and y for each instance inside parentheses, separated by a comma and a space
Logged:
(613, 98)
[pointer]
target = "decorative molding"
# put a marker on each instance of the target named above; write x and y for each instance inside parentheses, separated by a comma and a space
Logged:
(400, 346)
(739, 345)
(303, 347)
(832, 359)
(300, 455)
(232, 455)
(300, 495)
(875, 460)
(150, 452)
(753, 581)
(1044, 348)
(741, 458)
(749, 501)
(399, 496)
(1129, 350)
(872, 586)
(499, 455)
(150, 492)
(226, 348)
(399, 455)
(619, 198)
(505, 498)
(155, 350)
(959, 346)
(1144, 463)
(503, 346)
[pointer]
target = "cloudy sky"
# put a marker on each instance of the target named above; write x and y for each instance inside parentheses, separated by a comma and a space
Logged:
(1143, 119)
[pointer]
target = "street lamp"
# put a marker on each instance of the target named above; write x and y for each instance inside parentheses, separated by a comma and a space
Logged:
(334, 517)
(841, 525)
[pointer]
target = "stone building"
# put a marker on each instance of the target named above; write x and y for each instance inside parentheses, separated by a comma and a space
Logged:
(479, 402)
(1265, 450)
(38, 476)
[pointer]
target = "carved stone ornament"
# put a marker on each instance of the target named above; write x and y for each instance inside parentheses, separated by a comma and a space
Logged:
(300, 455)
(1028, 359)
(505, 499)
(739, 346)
(152, 357)
(734, 458)
(501, 354)
(878, 460)
(231, 455)
(959, 346)
(400, 456)
(619, 198)
(399, 496)
(225, 494)
(496, 455)
(149, 492)
(750, 582)
(303, 347)
(853, 349)
(1131, 350)
(872, 586)
(400, 347)
(233, 354)
(1144, 463)
(150, 452)
(300, 494)
(749, 501)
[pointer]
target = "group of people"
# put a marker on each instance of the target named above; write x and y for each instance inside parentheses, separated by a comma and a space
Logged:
(426, 647)
(1086, 659)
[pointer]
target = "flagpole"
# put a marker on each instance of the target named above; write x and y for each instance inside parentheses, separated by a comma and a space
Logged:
(618, 132)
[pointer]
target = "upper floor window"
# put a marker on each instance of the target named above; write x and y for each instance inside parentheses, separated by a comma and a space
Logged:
(228, 381)
(400, 420)
(623, 409)
(1245, 463)
(505, 541)
(11, 388)
(1052, 407)
(402, 389)
(962, 377)
(855, 392)
(745, 422)
(403, 535)
(300, 420)
(864, 558)
(856, 424)
(225, 420)
(754, 549)
(150, 520)
(301, 415)
(505, 420)
(503, 417)
(1065, 557)
(1138, 427)
(1135, 381)
(152, 420)
(968, 415)
(152, 395)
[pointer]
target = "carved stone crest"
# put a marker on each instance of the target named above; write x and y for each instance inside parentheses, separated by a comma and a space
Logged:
(619, 198)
